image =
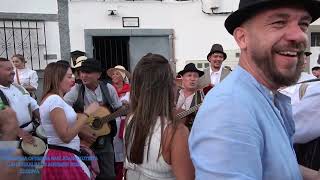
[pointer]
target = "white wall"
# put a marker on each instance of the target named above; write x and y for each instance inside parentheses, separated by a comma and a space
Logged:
(29, 6)
(53, 39)
(195, 32)
(38, 7)
(315, 50)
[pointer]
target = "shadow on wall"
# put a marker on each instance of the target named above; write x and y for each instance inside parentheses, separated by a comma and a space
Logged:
(40, 86)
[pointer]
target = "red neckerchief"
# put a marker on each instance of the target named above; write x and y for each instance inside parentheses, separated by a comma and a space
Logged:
(125, 89)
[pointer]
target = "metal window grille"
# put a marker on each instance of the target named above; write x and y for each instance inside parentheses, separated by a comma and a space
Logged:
(27, 38)
(111, 51)
(315, 39)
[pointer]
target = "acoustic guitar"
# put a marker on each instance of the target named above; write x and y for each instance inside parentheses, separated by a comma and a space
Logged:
(98, 122)
(189, 121)
(188, 112)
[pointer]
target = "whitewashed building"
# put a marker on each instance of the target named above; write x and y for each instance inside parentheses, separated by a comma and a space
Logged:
(121, 31)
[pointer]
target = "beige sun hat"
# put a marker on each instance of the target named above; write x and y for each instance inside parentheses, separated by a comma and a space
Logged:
(79, 61)
(124, 73)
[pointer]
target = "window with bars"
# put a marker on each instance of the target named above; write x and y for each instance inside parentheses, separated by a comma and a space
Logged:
(200, 64)
(315, 39)
(27, 38)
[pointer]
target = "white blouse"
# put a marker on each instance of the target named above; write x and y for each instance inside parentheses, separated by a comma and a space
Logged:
(155, 167)
(26, 77)
(52, 102)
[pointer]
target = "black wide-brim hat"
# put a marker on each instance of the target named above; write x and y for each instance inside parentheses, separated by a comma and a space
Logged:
(190, 68)
(217, 48)
(249, 8)
(210, 53)
(91, 65)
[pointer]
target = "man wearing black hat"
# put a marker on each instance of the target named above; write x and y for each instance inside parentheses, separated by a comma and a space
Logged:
(244, 128)
(215, 73)
(92, 90)
(189, 96)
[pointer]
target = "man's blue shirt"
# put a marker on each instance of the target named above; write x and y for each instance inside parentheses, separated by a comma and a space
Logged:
(243, 131)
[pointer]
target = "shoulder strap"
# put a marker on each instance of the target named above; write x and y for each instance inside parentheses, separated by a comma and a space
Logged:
(197, 99)
(224, 73)
(21, 89)
(177, 95)
(78, 106)
(4, 98)
(201, 96)
(17, 76)
(24, 92)
(302, 90)
(106, 96)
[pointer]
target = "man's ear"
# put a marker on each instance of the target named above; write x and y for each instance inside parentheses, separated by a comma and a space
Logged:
(209, 58)
(240, 35)
(99, 75)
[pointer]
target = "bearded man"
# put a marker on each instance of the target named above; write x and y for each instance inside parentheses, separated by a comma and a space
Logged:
(244, 128)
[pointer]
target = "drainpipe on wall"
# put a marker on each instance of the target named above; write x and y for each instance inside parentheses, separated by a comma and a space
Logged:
(173, 60)
(64, 33)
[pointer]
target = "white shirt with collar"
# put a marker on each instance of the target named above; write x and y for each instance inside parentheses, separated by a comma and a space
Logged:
(215, 76)
(91, 96)
(20, 102)
(184, 102)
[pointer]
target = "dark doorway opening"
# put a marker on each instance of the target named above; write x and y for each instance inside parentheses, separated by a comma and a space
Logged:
(111, 51)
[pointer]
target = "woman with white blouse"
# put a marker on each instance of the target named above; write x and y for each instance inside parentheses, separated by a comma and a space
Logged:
(62, 125)
(156, 143)
(24, 76)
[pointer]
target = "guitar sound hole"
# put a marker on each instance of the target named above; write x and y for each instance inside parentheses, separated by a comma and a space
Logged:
(96, 124)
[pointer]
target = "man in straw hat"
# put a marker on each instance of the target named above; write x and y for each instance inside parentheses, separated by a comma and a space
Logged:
(215, 73)
(189, 96)
(89, 91)
(244, 128)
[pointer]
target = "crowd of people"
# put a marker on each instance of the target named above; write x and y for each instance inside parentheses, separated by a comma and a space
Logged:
(258, 121)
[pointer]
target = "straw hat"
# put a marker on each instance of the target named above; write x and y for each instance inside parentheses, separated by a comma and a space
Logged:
(79, 61)
(124, 73)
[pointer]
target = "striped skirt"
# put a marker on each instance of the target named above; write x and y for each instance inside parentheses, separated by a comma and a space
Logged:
(59, 164)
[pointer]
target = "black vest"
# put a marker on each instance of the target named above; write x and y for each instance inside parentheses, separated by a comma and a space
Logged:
(103, 141)
(197, 99)
(78, 106)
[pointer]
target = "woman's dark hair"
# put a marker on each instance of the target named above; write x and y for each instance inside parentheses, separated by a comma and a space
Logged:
(151, 96)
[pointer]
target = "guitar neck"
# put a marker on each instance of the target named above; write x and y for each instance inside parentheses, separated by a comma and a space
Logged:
(188, 112)
(118, 113)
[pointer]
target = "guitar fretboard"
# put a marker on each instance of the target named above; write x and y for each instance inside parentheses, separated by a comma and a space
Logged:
(120, 112)
(187, 112)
